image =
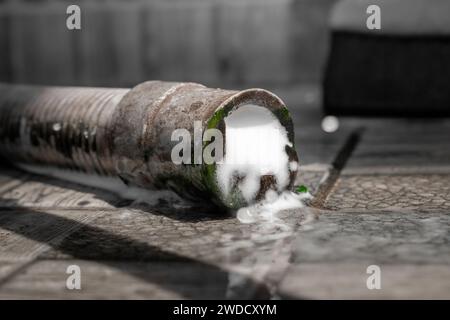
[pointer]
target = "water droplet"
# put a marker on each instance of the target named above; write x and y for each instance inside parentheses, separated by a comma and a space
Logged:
(57, 126)
(245, 215)
(330, 124)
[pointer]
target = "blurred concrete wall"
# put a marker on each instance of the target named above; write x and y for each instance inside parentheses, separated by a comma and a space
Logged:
(215, 42)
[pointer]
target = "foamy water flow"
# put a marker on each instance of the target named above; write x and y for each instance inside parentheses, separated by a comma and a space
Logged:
(255, 146)
(267, 209)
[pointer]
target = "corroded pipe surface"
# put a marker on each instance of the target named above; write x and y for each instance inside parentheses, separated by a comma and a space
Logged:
(125, 133)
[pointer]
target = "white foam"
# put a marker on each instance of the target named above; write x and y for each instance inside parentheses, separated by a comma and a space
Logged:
(267, 209)
(255, 146)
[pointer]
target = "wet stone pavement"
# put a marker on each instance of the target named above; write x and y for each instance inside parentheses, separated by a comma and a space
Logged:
(381, 197)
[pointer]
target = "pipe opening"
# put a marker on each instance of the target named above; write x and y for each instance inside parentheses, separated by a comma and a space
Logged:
(255, 159)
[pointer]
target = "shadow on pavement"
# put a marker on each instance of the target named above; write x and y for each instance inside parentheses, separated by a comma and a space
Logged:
(100, 245)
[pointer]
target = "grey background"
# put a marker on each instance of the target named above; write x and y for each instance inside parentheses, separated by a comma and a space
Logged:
(226, 43)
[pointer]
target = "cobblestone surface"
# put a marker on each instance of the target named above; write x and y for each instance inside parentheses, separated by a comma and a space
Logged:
(421, 193)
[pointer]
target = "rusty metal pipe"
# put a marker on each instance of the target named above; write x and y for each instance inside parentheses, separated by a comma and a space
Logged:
(125, 133)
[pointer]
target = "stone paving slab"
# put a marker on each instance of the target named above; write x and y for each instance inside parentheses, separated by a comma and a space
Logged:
(375, 238)
(331, 255)
(46, 279)
(409, 158)
(419, 192)
(348, 281)
(252, 251)
(401, 146)
(256, 253)
(9, 266)
(24, 234)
